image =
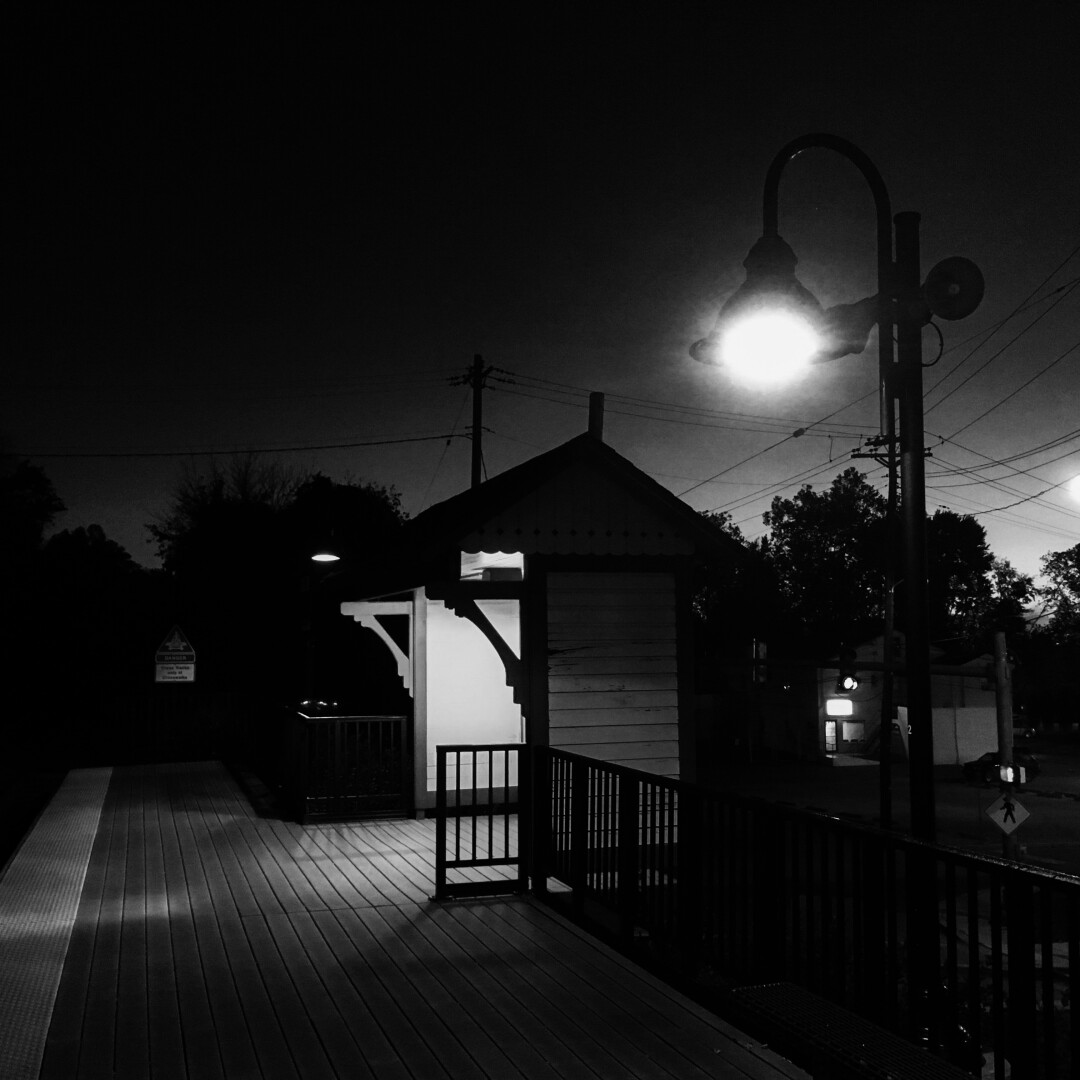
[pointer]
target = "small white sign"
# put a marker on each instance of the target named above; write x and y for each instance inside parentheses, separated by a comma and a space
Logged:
(174, 673)
(1007, 813)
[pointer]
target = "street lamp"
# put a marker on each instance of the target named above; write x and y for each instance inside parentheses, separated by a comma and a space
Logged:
(746, 333)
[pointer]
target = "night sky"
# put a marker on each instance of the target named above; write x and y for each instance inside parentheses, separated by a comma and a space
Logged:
(294, 232)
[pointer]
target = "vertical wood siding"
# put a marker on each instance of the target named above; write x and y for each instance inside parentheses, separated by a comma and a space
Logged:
(613, 668)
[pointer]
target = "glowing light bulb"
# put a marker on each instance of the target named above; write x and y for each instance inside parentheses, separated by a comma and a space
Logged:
(769, 347)
(325, 556)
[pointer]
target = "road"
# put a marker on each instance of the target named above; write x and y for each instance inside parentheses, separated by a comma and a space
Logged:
(1050, 837)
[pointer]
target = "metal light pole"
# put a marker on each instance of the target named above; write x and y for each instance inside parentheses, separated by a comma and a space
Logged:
(903, 304)
(899, 304)
(765, 324)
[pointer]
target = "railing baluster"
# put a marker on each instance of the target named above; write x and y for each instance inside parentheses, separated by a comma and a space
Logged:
(1073, 904)
(506, 802)
(998, 1000)
(491, 802)
(974, 1010)
(1020, 916)
(440, 822)
(1046, 919)
(951, 972)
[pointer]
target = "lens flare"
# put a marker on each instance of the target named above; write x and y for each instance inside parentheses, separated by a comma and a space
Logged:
(769, 347)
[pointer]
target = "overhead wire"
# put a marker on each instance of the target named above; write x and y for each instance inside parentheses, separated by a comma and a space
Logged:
(442, 456)
(1042, 315)
(1008, 397)
(215, 451)
(736, 421)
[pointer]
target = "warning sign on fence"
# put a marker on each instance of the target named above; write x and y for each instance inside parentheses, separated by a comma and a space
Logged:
(174, 660)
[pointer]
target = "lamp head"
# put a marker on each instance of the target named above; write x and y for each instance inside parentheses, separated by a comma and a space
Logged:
(767, 331)
(773, 328)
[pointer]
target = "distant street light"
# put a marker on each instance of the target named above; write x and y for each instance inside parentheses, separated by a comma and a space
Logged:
(325, 556)
(746, 333)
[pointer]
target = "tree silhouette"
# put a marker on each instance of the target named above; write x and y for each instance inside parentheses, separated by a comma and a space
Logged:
(826, 550)
(1062, 595)
(236, 545)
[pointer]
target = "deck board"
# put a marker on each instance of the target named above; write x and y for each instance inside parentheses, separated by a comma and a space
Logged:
(212, 942)
(98, 1032)
(74, 990)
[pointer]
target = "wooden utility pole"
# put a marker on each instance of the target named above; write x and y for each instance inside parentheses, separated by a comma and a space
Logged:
(476, 378)
(1003, 700)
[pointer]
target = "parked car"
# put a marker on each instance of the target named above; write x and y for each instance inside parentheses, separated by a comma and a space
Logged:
(987, 769)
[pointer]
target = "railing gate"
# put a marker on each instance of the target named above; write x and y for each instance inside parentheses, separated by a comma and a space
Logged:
(482, 810)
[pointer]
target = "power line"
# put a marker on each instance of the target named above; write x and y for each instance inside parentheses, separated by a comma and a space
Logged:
(442, 456)
(990, 359)
(567, 388)
(999, 483)
(992, 463)
(1020, 502)
(773, 426)
(235, 450)
(1008, 397)
(988, 331)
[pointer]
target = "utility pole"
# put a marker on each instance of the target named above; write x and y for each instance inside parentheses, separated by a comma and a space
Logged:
(476, 377)
(1003, 699)
(882, 449)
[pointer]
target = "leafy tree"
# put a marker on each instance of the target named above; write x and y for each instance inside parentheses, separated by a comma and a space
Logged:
(1011, 592)
(100, 606)
(28, 506)
(735, 600)
(213, 512)
(1062, 594)
(959, 585)
(826, 551)
(236, 545)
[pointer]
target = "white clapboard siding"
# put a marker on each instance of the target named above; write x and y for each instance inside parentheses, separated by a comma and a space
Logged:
(589, 665)
(612, 717)
(599, 735)
(613, 668)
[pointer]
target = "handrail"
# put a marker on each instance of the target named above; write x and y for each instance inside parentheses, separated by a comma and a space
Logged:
(737, 890)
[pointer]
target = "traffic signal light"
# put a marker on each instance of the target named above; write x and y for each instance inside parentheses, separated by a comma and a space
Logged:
(848, 679)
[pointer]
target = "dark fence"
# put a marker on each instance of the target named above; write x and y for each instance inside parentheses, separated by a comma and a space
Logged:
(973, 957)
(345, 767)
(481, 802)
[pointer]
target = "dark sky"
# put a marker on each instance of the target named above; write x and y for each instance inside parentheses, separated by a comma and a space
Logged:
(293, 232)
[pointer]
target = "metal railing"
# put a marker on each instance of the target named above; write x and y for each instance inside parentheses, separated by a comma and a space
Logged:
(350, 766)
(481, 801)
(970, 956)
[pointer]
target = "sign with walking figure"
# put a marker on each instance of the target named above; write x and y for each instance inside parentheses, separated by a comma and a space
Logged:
(1007, 813)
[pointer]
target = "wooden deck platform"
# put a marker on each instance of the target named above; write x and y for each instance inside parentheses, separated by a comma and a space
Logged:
(212, 942)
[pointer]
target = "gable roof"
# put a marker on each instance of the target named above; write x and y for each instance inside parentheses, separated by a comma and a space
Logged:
(582, 497)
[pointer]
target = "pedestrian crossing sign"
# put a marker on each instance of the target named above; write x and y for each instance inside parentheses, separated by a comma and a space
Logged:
(1007, 813)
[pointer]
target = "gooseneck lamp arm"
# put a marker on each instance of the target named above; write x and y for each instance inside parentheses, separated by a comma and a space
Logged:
(770, 220)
